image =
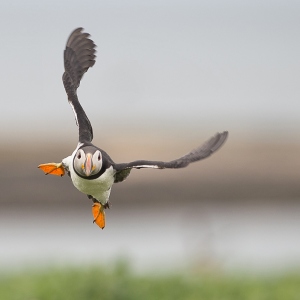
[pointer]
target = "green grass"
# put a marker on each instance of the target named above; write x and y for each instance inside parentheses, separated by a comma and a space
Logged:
(120, 283)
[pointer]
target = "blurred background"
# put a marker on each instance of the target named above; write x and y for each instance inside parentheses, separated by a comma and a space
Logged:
(169, 74)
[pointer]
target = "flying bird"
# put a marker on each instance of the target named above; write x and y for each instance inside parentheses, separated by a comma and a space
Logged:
(91, 169)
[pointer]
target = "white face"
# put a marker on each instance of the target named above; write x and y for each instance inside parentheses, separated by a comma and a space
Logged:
(87, 164)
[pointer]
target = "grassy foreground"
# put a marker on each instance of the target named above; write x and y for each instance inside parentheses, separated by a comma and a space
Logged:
(120, 283)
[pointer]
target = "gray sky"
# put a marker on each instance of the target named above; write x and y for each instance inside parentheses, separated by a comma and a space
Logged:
(205, 66)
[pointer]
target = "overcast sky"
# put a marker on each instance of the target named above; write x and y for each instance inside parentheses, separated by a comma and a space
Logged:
(202, 65)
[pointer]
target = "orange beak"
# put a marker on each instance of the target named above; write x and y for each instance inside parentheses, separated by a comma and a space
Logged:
(88, 165)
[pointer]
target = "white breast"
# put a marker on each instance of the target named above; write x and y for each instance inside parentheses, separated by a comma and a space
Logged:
(99, 188)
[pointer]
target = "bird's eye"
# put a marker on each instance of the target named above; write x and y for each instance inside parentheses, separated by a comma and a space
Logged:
(79, 155)
(99, 156)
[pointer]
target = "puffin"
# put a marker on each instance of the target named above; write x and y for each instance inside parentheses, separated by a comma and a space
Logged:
(90, 168)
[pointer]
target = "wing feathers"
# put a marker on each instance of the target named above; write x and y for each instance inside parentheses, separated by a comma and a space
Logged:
(201, 152)
(79, 56)
(209, 147)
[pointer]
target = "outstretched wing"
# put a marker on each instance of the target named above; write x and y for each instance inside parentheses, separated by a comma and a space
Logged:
(79, 56)
(208, 148)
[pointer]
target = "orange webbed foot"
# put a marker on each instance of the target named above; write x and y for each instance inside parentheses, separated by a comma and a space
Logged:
(53, 169)
(98, 214)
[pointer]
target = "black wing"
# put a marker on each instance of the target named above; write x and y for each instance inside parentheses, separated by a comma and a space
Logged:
(208, 148)
(79, 56)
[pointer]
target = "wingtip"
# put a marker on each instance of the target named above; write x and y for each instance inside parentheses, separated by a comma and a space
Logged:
(222, 135)
(225, 134)
(217, 141)
(78, 29)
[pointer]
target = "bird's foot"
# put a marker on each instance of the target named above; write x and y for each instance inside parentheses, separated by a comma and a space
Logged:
(53, 169)
(98, 214)
(98, 211)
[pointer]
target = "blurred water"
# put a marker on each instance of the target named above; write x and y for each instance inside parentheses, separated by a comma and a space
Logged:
(251, 235)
